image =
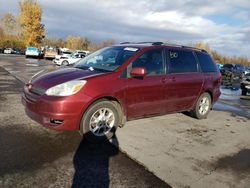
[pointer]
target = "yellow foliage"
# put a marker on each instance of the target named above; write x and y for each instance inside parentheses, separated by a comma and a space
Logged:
(9, 24)
(76, 43)
(204, 46)
(30, 22)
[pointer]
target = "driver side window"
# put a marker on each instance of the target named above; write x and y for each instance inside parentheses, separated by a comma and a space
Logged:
(152, 61)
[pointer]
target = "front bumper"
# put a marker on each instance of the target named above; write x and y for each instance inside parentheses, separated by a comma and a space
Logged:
(47, 110)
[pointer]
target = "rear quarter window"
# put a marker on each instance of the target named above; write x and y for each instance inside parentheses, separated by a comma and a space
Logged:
(206, 62)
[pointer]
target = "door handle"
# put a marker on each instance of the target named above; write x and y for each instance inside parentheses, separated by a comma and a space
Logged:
(163, 80)
(173, 79)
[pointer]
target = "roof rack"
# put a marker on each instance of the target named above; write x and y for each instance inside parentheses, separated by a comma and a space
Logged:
(169, 44)
(153, 43)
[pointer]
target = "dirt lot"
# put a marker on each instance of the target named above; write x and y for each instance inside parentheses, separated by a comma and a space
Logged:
(180, 150)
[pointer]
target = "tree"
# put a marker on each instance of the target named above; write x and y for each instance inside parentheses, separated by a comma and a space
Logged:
(203, 46)
(1, 33)
(9, 24)
(76, 43)
(30, 22)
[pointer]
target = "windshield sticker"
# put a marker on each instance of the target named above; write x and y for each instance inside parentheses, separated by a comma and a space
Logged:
(131, 49)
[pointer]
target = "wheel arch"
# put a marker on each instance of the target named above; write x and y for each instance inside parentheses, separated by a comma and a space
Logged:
(121, 108)
(210, 93)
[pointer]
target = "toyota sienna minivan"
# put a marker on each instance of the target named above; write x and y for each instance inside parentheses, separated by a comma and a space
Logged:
(123, 82)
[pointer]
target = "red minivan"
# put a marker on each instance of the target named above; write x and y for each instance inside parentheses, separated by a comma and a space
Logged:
(123, 82)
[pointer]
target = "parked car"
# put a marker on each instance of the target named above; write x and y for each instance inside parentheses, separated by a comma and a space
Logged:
(230, 72)
(245, 84)
(2, 50)
(247, 70)
(69, 60)
(8, 51)
(19, 51)
(63, 54)
(33, 52)
(123, 82)
(219, 66)
(50, 53)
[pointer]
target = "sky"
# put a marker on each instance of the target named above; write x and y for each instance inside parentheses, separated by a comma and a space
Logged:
(224, 24)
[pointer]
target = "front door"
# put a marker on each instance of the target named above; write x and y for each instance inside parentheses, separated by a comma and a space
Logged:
(145, 96)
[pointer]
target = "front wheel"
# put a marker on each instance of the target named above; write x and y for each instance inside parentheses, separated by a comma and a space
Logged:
(100, 121)
(202, 107)
(65, 63)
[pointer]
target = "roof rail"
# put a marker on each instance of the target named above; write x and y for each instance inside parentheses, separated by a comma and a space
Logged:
(125, 42)
(153, 43)
(186, 47)
(157, 43)
(169, 44)
(194, 48)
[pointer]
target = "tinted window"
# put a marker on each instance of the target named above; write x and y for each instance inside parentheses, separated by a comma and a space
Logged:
(228, 66)
(151, 60)
(240, 67)
(181, 61)
(206, 62)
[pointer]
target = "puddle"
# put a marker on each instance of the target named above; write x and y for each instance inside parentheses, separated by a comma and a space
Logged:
(238, 163)
(234, 109)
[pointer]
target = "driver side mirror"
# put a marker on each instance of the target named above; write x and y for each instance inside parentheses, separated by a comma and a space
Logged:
(138, 72)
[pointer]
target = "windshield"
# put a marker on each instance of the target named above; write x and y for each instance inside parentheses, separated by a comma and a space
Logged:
(107, 59)
(32, 49)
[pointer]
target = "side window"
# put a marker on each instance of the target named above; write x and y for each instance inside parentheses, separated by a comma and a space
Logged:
(206, 62)
(181, 61)
(152, 61)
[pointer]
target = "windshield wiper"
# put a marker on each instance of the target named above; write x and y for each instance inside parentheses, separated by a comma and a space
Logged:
(82, 67)
(99, 69)
(93, 69)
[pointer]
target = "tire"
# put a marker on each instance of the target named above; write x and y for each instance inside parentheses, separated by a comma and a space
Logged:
(243, 92)
(99, 131)
(65, 63)
(204, 102)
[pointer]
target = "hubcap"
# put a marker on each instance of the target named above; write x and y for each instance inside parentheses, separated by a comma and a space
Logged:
(102, 121)
(204, 106)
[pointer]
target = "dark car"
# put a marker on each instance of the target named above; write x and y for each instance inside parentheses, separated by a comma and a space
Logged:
(124, 82)
(19, 51)
(2, 50)
(245, 84)
(230, 72)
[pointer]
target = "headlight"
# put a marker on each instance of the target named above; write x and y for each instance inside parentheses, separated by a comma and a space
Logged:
(66, 89)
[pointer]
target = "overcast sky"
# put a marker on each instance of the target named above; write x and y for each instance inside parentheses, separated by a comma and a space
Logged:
(224, 25)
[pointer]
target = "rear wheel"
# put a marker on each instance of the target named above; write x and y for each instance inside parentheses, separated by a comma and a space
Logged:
(202, 107)
(100, 121)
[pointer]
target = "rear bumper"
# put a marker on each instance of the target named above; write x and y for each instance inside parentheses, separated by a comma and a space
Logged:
(47, 110)
(49, 56)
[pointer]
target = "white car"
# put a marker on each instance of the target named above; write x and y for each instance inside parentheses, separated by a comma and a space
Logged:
(32, 52)
(8, 51)
(68, 60)
(64, 54)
